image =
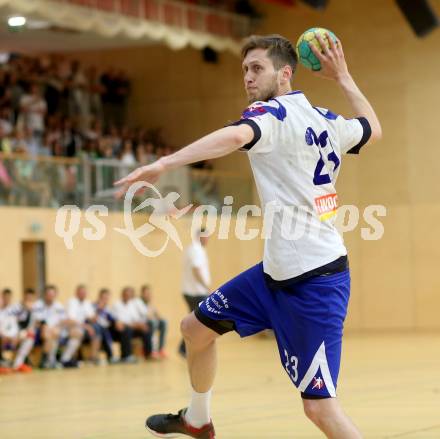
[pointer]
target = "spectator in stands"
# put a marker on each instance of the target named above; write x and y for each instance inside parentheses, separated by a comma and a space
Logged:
(109, 99)
(82, 328)
(5, 141)
(150, 151)
(105, 321)
(51, 319)
(53, 90)
(156, 323)
(141, 155)
(122, 91)
(3, 88)
(91, 149)
(53, 129)
(15, 92)
(29, 188)
(33, 109)
(130, 324)
(94, 132)
(70, 139)
(95, 92)
(127, 156)
(114, 139)
(80, 96)
(6, 120)
(5, 178)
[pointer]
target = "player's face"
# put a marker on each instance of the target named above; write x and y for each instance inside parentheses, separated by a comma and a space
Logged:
(146, 295)
(260, 77)
(29, 298)
(49, 296)
(7, 298)
(104, 298)
(81, 293)
(127, 295)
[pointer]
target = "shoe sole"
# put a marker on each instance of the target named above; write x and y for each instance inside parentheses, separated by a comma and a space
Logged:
(155, 433)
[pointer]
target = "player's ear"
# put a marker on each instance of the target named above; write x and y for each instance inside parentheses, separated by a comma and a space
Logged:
(286, 74)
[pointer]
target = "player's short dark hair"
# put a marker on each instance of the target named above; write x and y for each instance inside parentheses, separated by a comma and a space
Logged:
(279, 49)
(29, 291)
(7, 292)
(50, 287)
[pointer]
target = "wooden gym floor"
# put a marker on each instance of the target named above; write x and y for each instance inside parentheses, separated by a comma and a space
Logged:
(389, 384)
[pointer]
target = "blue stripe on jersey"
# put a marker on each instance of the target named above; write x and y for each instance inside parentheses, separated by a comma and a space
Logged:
(259, 109)
(329, 115)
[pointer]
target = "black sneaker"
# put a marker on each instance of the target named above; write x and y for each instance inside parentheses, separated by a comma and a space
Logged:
(71, 364)
(175, 425)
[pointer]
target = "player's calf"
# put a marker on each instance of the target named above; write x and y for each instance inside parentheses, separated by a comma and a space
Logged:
(328, 416)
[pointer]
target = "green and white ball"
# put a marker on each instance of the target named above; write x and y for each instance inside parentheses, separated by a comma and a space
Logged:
(305, 55)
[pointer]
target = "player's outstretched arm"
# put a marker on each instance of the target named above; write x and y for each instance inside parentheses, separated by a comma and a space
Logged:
(217, 144)
(334, 66)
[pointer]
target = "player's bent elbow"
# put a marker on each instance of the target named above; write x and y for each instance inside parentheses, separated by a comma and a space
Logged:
(376, 134)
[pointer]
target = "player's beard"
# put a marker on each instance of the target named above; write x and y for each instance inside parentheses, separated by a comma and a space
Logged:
(267, 92)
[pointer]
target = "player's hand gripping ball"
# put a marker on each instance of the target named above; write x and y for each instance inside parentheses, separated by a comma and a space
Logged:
(305, 55)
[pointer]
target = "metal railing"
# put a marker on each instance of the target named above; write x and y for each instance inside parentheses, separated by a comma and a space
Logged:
(54, 182)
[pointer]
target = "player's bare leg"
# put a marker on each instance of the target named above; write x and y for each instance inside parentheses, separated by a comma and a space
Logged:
(201, 351)
(50, 338)
(329, 417)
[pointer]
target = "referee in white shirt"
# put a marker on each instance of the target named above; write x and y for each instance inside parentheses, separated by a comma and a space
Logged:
(196, 275)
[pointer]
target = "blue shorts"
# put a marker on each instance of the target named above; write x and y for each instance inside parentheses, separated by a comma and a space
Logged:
(307, 318)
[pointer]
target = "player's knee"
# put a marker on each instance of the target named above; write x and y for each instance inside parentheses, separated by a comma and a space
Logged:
(314, 410)
(187, 328)
(76, 332)
(194, 332)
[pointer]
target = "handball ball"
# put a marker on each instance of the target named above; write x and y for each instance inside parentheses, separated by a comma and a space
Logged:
(305, 55)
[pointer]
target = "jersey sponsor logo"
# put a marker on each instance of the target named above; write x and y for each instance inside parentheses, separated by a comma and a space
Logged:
(258, 109)
(216, 302)
(326, 206)
(318, 383)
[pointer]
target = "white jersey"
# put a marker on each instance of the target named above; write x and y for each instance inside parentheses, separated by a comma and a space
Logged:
(24, 316)
(80, 310)
(126, 312)
(195, 256)
(8, 322)
(295, 158)
(52, 315)
(141, 309)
